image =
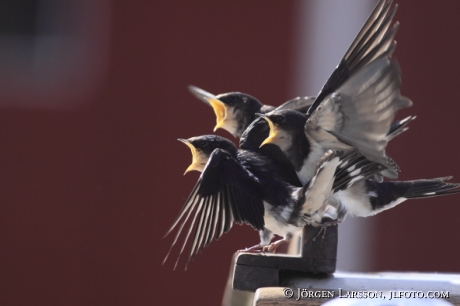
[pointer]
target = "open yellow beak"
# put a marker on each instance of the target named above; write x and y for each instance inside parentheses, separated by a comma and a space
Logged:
(220, 110)
(195, 163)
(273, 131)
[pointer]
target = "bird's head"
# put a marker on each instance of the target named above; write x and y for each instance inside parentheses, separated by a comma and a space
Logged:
(202, 147)
(234, 111)
(284, 126)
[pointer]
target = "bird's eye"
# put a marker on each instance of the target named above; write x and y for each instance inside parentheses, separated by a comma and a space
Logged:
(203, 144)
(279, 119)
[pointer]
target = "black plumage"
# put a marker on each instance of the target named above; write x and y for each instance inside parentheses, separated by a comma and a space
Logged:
(247, 187)
(281, 183)
(235, 111)
(382, 196)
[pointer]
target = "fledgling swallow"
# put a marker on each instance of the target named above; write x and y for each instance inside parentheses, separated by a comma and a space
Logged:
(372, 43)
(235, 110)
(247, 187)
(355, 119)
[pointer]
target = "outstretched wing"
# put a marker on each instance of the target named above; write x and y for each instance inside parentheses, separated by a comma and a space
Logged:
(371, 42)
(225, 193)
(359, 114)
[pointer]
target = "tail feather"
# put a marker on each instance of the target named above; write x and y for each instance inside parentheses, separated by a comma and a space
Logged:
(430, 188)
(399, 127)
(386, 195)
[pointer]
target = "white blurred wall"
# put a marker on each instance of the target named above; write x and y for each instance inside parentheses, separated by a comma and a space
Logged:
(324, 29)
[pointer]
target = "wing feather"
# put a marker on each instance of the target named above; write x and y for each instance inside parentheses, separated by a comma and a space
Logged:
(360, 113)
(371, 42)
(225, 193)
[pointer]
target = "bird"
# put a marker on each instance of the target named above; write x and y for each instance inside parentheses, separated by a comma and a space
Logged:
(356, 117)
(235, 110)
(239, 186)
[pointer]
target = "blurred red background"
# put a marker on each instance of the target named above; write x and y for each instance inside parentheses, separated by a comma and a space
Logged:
(91, 172)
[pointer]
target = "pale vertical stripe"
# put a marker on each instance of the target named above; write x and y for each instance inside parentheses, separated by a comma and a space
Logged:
(324, 29)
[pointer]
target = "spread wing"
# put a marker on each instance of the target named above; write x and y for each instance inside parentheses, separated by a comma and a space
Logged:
(371, 42)
(360, 113)
(225, 193)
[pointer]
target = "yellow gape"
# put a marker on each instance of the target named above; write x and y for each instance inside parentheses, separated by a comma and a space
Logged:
(196, 165)
(220, 110)
(273, 131)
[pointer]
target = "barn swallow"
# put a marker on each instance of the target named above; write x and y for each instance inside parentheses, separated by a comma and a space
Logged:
(367, 197)
(355, 117)
(238, 186)
(235, 110)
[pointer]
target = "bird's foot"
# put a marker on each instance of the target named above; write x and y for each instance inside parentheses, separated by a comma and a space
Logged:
(254, 249)
(324, 227)
(272, 247)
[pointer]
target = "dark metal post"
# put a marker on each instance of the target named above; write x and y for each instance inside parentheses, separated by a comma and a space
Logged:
(318, 256)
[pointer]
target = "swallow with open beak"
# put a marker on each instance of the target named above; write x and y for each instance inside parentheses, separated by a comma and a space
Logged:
(235, 110)
(238, 186)
(356, 117)
(366, 197)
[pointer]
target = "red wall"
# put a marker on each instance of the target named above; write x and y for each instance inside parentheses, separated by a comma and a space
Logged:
(422, 235)
(86, 194)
